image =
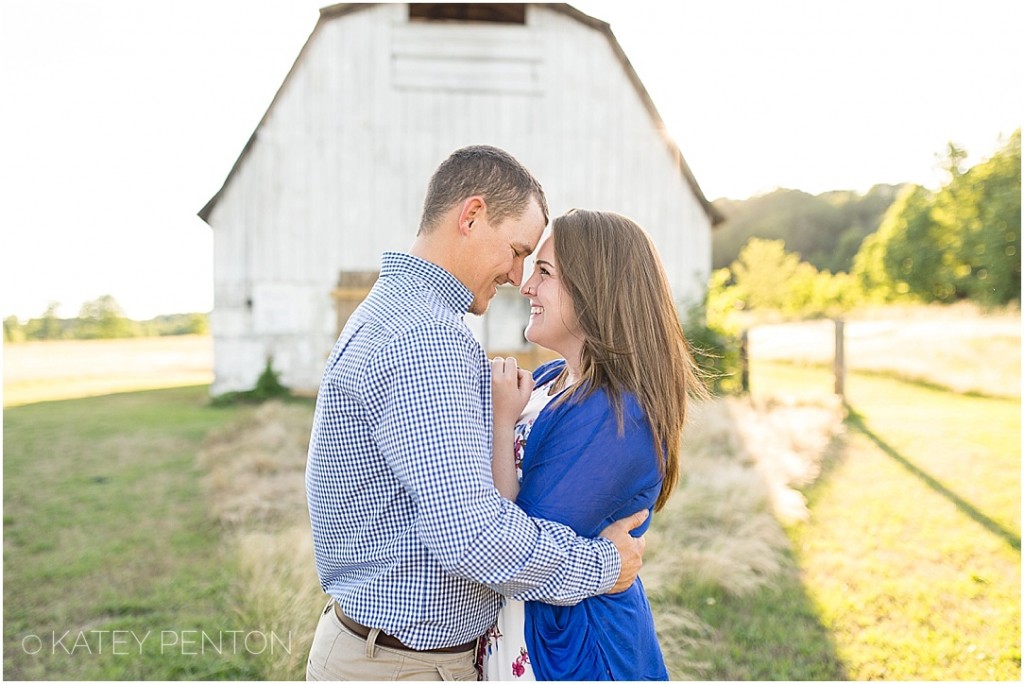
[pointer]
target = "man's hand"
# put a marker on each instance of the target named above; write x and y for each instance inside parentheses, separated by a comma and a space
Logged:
(631, 549)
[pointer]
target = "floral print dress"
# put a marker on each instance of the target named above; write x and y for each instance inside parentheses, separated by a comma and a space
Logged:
(503, 649)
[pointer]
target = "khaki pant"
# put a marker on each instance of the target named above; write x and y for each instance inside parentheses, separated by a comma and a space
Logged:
(339, 654)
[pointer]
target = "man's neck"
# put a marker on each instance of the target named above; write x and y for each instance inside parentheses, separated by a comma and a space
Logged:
(437, 251)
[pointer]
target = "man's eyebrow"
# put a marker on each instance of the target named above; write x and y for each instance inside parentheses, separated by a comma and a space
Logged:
(523, 248)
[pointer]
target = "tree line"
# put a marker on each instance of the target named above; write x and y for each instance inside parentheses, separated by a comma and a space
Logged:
(826, 230)
(101, 318)
(788, 252)
(960, 242)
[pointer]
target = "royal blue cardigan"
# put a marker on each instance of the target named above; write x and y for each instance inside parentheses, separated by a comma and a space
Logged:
(578, 470)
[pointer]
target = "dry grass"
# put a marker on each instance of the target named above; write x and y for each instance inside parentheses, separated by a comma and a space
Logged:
(720, 533)
(255, 468)
(952, 347)
(741, 469)
(279, 586)
(743, 462)
(70, 369)
(256, 489)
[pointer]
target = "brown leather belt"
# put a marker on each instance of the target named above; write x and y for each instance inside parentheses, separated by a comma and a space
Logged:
(389, 641)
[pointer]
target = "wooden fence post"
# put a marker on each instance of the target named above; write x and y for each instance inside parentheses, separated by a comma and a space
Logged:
(840, 360)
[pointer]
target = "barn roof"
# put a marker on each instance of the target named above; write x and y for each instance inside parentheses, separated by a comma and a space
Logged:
(334, 11)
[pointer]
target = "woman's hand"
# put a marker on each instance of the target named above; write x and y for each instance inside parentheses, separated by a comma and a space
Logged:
(511, 387)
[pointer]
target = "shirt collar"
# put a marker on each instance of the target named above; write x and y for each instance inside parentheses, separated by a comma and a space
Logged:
(452, 291)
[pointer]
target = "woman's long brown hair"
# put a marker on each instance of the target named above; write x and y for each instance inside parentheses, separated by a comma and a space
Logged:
(632, 338)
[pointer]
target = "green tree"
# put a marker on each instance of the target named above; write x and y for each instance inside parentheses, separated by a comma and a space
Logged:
(13, 331)
(825, 230)
(714, 343)
(768, 278)
(959, 242)
(175, 324)
(762, 273)
(869, 273)
(917, 250)
(48, 327)
(982, 208)
(953, 160)
(103, 318)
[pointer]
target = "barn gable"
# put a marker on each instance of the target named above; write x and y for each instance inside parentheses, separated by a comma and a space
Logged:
(466, 11)
(336, 170)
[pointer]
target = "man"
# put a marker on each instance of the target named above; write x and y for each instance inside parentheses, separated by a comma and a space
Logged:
(412, 541)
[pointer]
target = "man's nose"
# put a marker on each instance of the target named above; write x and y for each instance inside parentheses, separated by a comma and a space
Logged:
(515, 276)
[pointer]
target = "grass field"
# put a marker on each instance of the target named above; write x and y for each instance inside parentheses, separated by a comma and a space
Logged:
(153, 513)
(908, 564)
(43, 371)
(113, 566)
(911, 555)
(950, 347)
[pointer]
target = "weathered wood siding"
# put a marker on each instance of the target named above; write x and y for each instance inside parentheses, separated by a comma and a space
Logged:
(337, 170)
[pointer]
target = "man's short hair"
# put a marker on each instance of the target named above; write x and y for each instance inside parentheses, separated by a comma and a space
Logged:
(492, 173)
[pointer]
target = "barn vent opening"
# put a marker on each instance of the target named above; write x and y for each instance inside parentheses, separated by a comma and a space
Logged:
(499, 13)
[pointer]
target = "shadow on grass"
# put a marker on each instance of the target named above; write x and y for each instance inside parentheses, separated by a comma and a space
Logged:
(768, 630)
(774, 634)
(857, 422)
(929, 384)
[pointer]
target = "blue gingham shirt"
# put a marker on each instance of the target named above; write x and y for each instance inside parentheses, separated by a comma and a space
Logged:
(409, 533)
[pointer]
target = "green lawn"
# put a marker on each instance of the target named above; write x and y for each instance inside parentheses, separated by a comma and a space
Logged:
(908, 567)
(911, 556)
(112, 567)
(930, 586)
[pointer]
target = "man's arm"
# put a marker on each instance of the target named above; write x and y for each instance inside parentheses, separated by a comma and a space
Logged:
(511, 387)
(429, 394)
(582, 471)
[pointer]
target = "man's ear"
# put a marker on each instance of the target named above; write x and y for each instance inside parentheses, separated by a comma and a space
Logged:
(472, 209)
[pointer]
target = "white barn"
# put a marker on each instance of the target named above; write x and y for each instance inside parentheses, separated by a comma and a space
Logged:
(336, 171)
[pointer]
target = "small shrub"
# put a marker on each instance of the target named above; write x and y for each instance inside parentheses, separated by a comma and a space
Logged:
(268, 386)
(715, 351)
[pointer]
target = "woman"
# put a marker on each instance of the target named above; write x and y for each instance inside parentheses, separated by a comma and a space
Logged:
(592, 437)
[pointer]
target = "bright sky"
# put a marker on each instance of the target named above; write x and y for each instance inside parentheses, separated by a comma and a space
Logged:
(121, 118)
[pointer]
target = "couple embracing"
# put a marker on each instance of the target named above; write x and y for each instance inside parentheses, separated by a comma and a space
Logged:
(471, 518)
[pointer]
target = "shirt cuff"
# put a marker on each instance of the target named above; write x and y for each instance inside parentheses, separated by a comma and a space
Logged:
(611, 564)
